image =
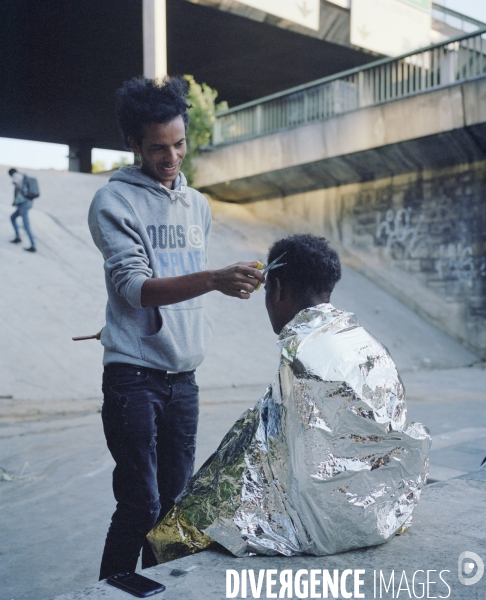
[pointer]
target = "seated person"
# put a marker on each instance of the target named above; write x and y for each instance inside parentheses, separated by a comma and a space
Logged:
(326, 461)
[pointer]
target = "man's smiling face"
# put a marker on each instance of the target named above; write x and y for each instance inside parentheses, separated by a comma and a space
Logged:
(162, 150)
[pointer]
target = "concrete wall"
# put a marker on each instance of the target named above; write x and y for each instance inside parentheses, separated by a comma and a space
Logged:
(399, 187)
(421, 235)
(433, 130)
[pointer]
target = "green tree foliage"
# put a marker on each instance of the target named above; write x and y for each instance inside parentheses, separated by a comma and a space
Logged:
(123, 161)
(201, 119)
(100, 167)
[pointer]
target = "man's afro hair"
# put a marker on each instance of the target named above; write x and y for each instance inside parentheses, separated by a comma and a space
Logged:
(312, 266)
(141, 100)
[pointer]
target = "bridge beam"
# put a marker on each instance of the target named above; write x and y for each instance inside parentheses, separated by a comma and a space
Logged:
(431, 130)
(80, 156)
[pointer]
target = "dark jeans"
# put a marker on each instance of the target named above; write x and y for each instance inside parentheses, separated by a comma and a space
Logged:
(150, 423)
(22, 210)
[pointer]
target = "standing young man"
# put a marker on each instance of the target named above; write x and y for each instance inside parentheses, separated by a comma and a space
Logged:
(153, 233)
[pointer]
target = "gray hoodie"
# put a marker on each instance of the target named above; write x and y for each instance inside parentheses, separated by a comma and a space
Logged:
(145, 230)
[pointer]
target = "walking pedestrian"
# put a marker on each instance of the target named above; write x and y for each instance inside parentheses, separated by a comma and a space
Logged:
(22, 207)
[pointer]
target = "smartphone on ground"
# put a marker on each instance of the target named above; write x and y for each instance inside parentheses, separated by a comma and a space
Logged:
(136, 584)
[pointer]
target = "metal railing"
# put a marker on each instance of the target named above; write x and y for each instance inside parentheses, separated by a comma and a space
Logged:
(447, 63)
(456, 19)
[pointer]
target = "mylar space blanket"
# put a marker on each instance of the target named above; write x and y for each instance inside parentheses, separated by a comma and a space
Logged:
(325, 461)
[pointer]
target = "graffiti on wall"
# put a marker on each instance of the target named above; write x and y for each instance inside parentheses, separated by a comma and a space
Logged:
(399, 232)
(457, 262)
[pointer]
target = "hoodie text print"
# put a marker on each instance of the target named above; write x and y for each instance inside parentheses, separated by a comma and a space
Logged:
(145, 230)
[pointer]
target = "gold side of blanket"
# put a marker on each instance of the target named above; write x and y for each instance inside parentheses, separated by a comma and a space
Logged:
(175, 536)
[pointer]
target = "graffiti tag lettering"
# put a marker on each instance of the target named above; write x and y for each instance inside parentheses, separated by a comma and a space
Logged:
(398, 234)
(456, 262)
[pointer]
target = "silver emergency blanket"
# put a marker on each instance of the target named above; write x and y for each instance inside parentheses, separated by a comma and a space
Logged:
(325, 461)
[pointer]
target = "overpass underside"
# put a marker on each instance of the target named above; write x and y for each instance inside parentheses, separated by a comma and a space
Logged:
(62, 61)
(398, 187)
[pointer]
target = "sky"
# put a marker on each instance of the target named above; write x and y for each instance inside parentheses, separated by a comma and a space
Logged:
(472, 8)
(38, 155)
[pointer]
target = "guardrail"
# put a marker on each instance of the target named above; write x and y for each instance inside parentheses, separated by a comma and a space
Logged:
(455, 19)
(440, 65)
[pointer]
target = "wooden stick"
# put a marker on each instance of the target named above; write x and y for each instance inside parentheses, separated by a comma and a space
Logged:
(96, 336)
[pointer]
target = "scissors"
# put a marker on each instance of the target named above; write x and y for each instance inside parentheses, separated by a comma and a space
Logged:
(273, 265)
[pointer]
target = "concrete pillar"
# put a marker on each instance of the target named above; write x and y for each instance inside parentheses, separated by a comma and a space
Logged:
(154, 39)
(80, 157)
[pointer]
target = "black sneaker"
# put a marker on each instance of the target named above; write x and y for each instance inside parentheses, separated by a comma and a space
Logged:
(15, 241)
(31, 249)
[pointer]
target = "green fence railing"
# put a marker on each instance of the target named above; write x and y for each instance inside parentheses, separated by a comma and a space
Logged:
(450, 62)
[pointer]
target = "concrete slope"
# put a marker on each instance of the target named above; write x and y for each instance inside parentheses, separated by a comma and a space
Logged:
(59, 292)
(50, 296)
(55, 492)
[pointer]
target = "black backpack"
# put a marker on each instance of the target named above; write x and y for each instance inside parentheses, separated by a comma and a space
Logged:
(30, 188)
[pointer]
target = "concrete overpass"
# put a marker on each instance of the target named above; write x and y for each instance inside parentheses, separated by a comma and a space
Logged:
(441, 128)
(62, 60)
(388, 161)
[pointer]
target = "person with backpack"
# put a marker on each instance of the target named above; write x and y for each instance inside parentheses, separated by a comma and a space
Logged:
(26, 189)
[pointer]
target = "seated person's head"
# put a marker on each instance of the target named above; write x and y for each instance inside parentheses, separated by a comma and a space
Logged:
(311, 271)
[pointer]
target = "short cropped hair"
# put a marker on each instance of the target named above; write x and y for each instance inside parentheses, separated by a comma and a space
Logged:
(12, 171)
(143, 101)
(312, 266)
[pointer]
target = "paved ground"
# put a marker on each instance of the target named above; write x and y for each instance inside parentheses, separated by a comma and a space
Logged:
(422, 563)
(55, 496)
